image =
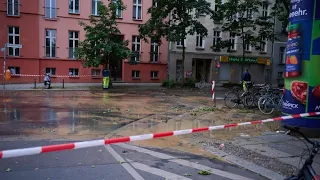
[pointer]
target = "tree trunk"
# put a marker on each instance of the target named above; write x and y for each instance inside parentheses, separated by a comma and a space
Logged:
(182, 63)
(243, 50)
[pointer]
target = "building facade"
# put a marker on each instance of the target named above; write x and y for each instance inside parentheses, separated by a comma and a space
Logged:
(49, 33)
(202, 63)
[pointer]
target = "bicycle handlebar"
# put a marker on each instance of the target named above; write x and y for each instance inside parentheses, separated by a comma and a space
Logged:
(296, 130)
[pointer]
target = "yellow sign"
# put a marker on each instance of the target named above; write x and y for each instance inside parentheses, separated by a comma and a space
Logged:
(268, 62)
(224, 58)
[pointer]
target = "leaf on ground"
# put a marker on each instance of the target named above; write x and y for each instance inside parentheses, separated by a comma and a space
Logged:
(187, 174)
(100, 150)
(92, 166)
(120, 162)
(8, 170)
(204, 172)
(36, 168)
(56, 158)
(79, 163)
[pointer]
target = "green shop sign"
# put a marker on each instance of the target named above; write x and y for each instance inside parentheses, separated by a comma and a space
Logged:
(243, 60)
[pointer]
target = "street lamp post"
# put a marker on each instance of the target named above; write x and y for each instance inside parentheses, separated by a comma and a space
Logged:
(4, 65)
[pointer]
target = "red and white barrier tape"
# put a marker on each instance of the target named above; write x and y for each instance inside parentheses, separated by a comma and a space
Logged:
(86, 144)
(32, 75)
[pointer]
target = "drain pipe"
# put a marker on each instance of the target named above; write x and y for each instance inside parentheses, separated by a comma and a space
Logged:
(168, 55)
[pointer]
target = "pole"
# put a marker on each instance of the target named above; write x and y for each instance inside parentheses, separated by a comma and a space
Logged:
(272, 51)
(4, 65)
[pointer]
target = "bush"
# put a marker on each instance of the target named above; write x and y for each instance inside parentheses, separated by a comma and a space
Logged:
(168, 83)
(190, 83)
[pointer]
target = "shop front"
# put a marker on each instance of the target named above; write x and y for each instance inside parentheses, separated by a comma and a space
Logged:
(231, 68)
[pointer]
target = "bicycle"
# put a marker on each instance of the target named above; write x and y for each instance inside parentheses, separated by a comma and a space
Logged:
(270, 101)
(201, 84)
(306, 172)
(237, 97)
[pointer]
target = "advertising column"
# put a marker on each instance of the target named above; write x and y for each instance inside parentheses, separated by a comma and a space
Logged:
(302, 76)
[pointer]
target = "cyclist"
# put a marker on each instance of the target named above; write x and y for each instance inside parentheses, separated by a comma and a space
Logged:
(246, 78)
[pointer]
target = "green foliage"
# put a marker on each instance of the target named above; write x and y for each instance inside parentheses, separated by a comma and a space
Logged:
(168, 83)
(174, 20)
(244, 19)
(103, 43)
(190, 83)
(281, 10)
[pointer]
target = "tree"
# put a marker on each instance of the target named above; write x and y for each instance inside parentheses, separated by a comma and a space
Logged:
(242, 18)
(174, 20)
(281, 10)
(102, 43)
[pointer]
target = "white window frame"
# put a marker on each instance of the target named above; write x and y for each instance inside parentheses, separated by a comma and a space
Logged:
(216, 37)
(52, 7)
(14, 36)
(154, 74)
(74, 40)
(248, 47)
(135, 74)
(51, 70)
(136, 12)
(154, 51)
(12, 2)
(13, 70)
(118, 11)
(73, 10)
(52, 39)
(136, 47)
(233, 40)
(200, 41)
(264, 49)
(179, 43)
(94, 72)
(73, 70)
(155, 3)
(95, 13)
(249, 14)
(265, 9)
(282, 55)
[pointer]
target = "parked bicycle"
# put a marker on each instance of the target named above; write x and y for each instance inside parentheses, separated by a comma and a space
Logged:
(306, 172)
(270, 102)
(237, 96)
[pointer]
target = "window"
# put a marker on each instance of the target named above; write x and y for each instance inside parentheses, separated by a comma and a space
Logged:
(14, 38)
(280, 75)
(249, 14)
(199, 41)
(74, 6)
(137, 7)
(154, 74)
(216, 37)
(155, 3)
(13, 8)
(95, 72)
(136, 48)
(14, 70)
(118, 11)
(216, 7)
(282, 55)
(51, 71)
(51, 43)
(247, 43)
(95, 7)
(265, 7)
(50, 9)
(263, 45)
(233, 41)
(179, 43)
(73, 43)
(135, 74)
(154, 51)
(73, 72)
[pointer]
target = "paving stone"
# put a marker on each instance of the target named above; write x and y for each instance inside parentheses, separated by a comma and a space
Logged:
(276, 138)
(266, 151)
(287, 148)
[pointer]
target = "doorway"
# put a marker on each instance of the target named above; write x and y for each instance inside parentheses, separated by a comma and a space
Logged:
(115, 65)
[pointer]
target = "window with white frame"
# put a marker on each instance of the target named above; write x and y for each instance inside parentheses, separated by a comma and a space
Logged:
(249, 14)
(179, 43)
(14, 38)
(74, 6)
(51, 36)
(73, 72)
(14, 70)
(155, 3)
(136, 48)
(265, 7)
(51, 71)
(73, 43)
(94, 10)
(135, 74)
(199, 41)
(154, 74)
(13, 8)
(248, 46)
(119, 10)
(95, 72)
(50, 9)
(154, 51)
(282, 55)
(263, 45)
(137, 9)
(216, 7)
(216, 37)
(233, 41)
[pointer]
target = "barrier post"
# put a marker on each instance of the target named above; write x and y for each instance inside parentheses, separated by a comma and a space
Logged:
(62, 83)
(213, 95)
(35, 83)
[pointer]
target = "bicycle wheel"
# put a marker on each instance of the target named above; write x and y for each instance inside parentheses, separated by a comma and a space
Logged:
(266, 105)
(231, 99)
(248, 101)
(256, 98)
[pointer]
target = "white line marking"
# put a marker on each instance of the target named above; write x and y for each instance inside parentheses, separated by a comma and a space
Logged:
(155, 171)
(126, 166)
(184, 162)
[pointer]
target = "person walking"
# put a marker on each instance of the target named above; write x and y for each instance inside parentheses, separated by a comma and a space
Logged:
(106, 78)
(246, 78)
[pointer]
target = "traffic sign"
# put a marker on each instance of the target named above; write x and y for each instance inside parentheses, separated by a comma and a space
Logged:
(14, 45)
